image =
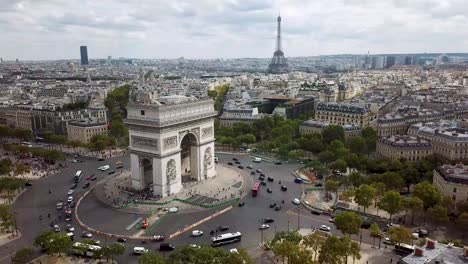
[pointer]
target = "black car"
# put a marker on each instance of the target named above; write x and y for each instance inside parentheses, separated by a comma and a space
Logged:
(269, 190)
(266, 220)
(94, 178)
(278, 163)
(237, 162)
(166, 247)
(262, 174)
(240, 167)
(27, 184)
(252, 172)
(122, 239)
(241, 204)
(318, 184)
(101, 159)
(119, 167)
(86, 185)
(230, 163)
(272, 205)
(263, 183)
(315, 212)
(270, 179)
(284, 188)
(72, 204)
(74, 186)
(235, 159)
(277, 208)
(261, 178)
(222, 228)
(111, 172)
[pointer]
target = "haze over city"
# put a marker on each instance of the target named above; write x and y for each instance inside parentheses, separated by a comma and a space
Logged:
(52, 29)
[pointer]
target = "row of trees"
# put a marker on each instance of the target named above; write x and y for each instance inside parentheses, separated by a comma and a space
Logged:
(218, 95)
(49, 155)
(293, 248)
(116, 104)
(59, 243)
(10, 185)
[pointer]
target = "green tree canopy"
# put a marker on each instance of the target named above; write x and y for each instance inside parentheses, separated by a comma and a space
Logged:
(427, 193)
(23, 256)
(151, 258)
(365, 195)
(348, 222)
(400, 235)
(333, 132)
(391, 203)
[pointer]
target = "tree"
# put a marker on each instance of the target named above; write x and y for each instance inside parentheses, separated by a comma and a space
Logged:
(392, 180)
(351, 249)
(332, 186)
(284, 249)
(347, 195)
(348, 222)
(23, 256)
(242, 257)
(339, 165)
(20, 169)
(356, 179)
(375, 232)
(53, 243)
(352, 160)
(6, 216)
(326, 157)
(391, 203)
(357, 145)
(438, 214)
(414, 205)
(151, 258)
(333, 132)
(336, 250)
(462, 222)
(113, 250)
(23, 134)
(400, 235)
(364, 195)
(314, 241)
(427, 193)
(371, 136)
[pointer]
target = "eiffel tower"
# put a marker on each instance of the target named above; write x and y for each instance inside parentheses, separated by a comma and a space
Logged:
(278, 63)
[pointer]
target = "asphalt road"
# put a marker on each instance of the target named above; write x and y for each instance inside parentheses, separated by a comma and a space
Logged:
(37, 201)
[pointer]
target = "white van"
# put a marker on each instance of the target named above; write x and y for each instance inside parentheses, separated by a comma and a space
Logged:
(139, 250)
(258, 160)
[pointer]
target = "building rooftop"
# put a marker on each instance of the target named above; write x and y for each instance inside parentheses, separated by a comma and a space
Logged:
(324, 124)
(343, 107)
(454, 173)
(403, 141)
(440, 254)
(86, 123)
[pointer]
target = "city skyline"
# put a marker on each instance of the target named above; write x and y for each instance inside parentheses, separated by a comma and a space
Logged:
(47, 29)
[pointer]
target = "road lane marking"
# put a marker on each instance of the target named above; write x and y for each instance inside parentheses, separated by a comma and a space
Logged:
(307, 217)
(133, 223)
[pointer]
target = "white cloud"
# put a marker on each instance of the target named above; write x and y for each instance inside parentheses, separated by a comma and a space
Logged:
(49, 29)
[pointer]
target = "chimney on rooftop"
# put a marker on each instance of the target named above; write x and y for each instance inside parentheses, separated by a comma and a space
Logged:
(418, 252)
(431, 244)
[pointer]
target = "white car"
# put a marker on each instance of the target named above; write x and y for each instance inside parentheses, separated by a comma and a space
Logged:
(387, 241)
(70, 199)
(234, 251)
(197, 233)
(104, 168)
(325, 228)
(56, 228)
(70, 192)
(86, 234)
(74, 161)
(70, 228)
(139, 250)
(264, 226)
(296, 201)
(173, 210)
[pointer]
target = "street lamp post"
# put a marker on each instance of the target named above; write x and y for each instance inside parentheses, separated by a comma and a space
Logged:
(298, 217)
(288, 225)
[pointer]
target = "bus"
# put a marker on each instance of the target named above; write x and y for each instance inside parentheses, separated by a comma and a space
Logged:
(255, 189)
(404, 248)
(77, 177)
(224, 239)
(85, 250)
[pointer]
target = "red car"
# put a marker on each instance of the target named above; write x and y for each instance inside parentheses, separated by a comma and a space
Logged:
(90, 177)
(158, 238)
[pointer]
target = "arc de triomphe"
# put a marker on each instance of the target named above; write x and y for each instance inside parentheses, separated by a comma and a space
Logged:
(171, 141)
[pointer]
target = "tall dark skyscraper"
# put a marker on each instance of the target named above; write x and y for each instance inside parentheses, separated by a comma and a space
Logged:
(84, 55)
(278, 64)
(390, 61)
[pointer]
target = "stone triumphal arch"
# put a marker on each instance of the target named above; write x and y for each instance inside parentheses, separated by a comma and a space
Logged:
(171, 141)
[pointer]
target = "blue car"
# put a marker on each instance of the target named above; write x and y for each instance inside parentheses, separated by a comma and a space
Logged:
(299, 180)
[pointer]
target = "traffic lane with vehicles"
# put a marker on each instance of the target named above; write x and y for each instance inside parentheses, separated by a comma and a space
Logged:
(37, 201)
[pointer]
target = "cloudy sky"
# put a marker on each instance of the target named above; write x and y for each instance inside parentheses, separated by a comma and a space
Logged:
(54, 29)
